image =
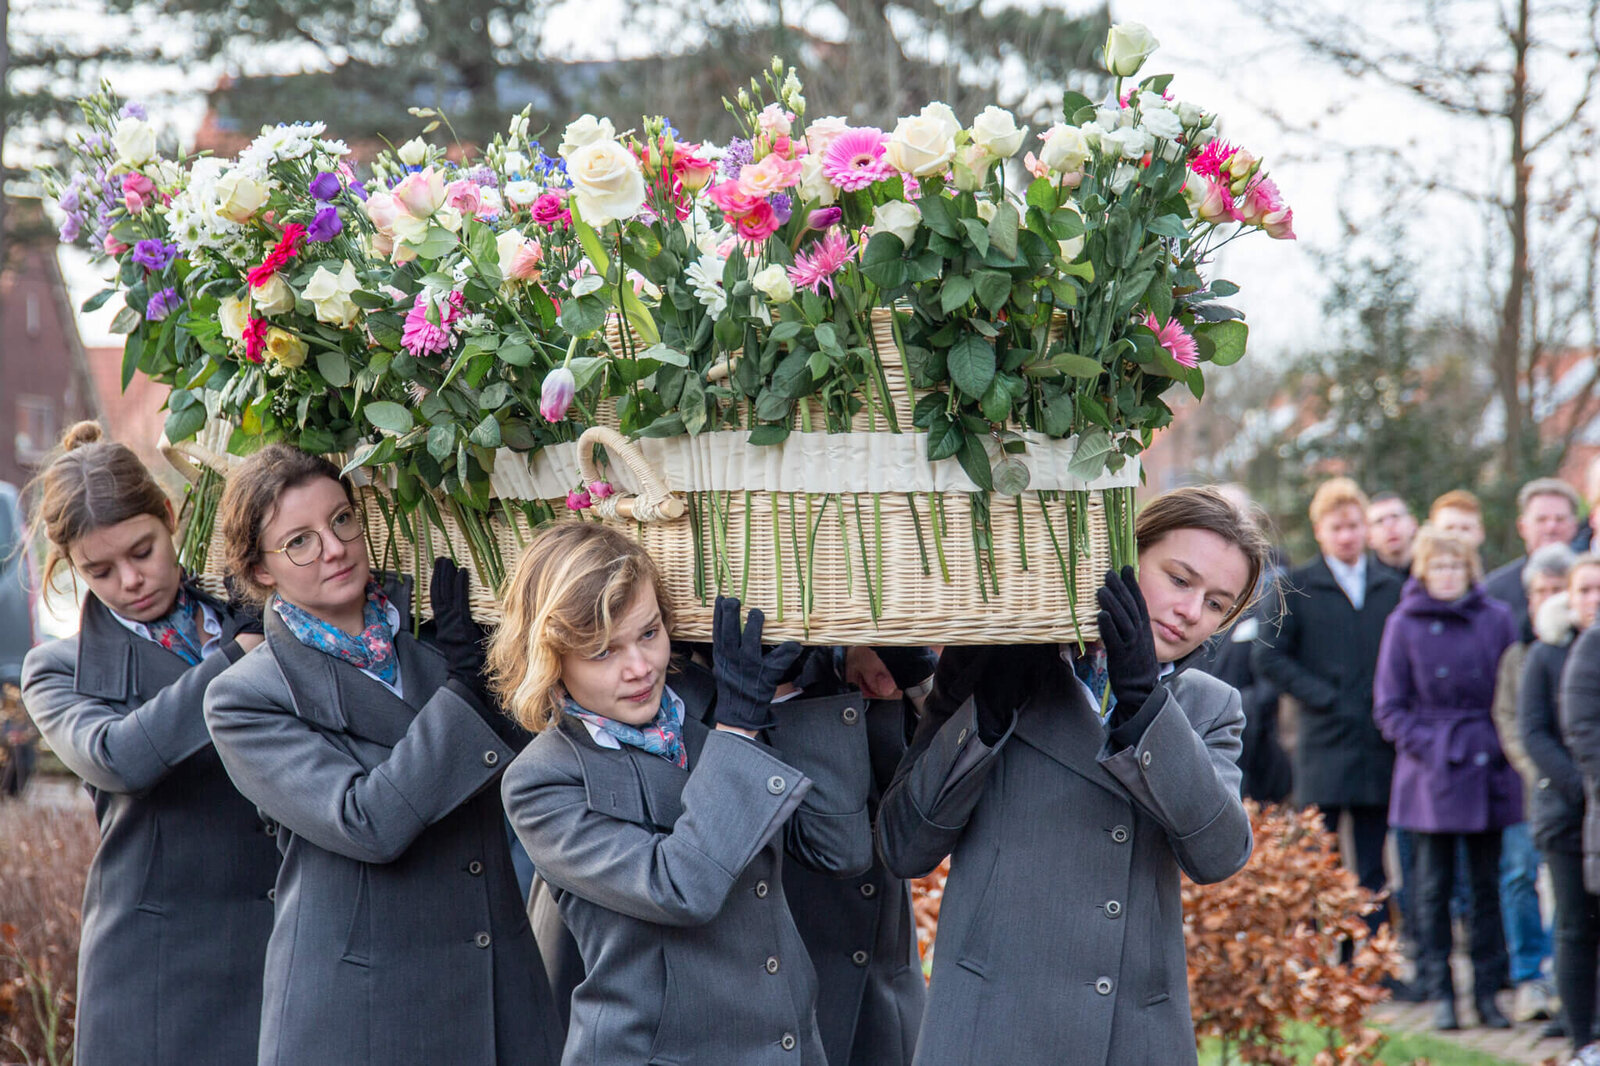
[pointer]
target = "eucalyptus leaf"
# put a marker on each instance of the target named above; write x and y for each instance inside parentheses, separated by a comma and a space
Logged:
(1011, 476)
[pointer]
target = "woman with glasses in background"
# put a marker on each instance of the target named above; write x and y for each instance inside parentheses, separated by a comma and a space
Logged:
(400, 933)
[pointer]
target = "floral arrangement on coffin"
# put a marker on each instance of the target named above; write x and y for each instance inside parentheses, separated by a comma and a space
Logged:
(451, 305)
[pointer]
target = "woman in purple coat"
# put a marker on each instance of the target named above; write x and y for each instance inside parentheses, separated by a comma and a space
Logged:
(1432, 696)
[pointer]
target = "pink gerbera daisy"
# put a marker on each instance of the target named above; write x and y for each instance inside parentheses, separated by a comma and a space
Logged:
(816, 266)
(1184, 350)
(423, 337)
(855, 159)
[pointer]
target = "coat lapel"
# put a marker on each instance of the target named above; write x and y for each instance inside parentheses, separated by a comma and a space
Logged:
(335, 695)
(1059, 723)
(116, 665)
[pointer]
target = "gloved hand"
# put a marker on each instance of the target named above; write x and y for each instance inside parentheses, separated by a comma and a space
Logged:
(243, 615)
(999, 678)
(461, 639)
(746, 676)
(1130, 645)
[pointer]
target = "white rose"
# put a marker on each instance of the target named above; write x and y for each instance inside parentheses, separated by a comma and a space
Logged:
(1073, 246)
(522, 193)
(773, 283)
(585, 130)
(987, 209)
(814, 186)
(239, 196)
(413, 152)
(972, 165)
(824, 131)
(1128, 45)
(896, 217)
(942, 114)
(330, 293)
(921, 145)
(233, 316)
(606, 181)
(135, 141)
(1132, 142)
(996, 130)
(1092, 132)
(1162, 123)
(1122, 177)
(1065, 150)
(273, 298)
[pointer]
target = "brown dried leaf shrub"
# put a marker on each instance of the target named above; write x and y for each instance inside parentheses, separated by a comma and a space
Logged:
(44, 859)
(1264, 945)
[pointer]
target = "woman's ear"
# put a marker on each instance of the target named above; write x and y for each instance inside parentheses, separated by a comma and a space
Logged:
(262, 578)
(172, 518)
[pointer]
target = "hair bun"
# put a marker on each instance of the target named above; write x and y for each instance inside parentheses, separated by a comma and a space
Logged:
(81, 433)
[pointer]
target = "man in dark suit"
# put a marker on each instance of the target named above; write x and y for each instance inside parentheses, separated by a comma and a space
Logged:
(1547, 513)
(1390, 528)
(1323, 653)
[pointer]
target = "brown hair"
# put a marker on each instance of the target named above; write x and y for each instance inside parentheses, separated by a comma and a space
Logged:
(1432, 541)
(250, 501)
(571, 586)
(1455, 500)
(89, 483)
(1203, 507)
(1336, 493)
(1579, 562)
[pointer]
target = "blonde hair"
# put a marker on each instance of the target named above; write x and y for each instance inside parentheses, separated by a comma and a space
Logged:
(88, 484)
(1456, 500)
(1336, 493)
(1580, 562)
(571, 586)
(1432, 541)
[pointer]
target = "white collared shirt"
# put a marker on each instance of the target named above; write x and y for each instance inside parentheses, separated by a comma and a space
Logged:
(1352, 579)
(1069, 655)
(210, 625)
(606, 740)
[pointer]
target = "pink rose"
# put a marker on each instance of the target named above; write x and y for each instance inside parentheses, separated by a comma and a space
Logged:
(421, 193)
(464, 196)
(774, 120)
(578, 500)
(759, 224)
(728, 196)
(525, 261)
(772, 174)
(551, 208)
(600, 489)
(112, 246)
(383, 209)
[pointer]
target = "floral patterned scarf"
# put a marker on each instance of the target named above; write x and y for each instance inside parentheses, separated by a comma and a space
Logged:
(663, 736)
(179, 629)
(372, 650)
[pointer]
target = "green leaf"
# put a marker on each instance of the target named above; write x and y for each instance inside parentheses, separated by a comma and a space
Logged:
(1168, 226)
(493, 396)
(638, 315)
(441, 442)
(1011, 476)
(388, 416)
(1158, 297)
(1003, 230)
(1089, 459)
(978, 233)
(370, 301)
(993, 288)
(185, 423)
(765, 435)
(516, 355)
(883, 262)
(126, 321)
(317, 441)
(974, 459)
(98, 300)
(1229, 338)
(661, 353)
(996, 402)
(945, 437)
(585, 367)
(1222, 289)
(929, 405)
(583, 316)
(971, 364)
(1072, 102)
(1079, 366)
(334, 368)
(591, 243)
(785, 331)
(954, 293)
(486, 434)
(1042, 192)
(692, 405)
(937, 216)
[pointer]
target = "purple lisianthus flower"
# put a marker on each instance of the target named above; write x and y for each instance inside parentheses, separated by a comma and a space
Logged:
(71, 227)
(324, 186)
(134, 109)
(325, 226)
(782, 206)
(154, 254)
(359, 189)
(162, 304)
(739, 153)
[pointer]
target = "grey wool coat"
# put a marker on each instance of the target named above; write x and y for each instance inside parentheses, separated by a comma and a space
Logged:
(176, 912)
(400, 933)
(1061, 929)
(671, 883)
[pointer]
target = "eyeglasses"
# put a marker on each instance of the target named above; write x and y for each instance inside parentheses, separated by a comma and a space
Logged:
(303, 549)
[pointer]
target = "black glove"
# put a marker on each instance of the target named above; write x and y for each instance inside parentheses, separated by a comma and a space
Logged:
(1130, 645)
(909, 667)
(999, 678)
(243, 616)
(461, 639)
(746, 677)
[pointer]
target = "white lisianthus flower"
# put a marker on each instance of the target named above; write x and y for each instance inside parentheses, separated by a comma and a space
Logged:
(1128, 45)
(1160, 122)
(1148, 101)
(1131, 141)
(896, 217)
(135, 141)
(996, 131)
(413, 152)
(705, 277)
(1072, 247)
(772, 281)
(514, 163)
(522, 193)
(607, 183)
(1190, 114)
(814, 186)
(585, 130)
(1122, 177)
(329, 294)
(1092, 132)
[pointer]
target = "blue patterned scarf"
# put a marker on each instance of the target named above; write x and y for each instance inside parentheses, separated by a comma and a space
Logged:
(372, 650)
(1090, 666)
(179, 629)
(663, 736)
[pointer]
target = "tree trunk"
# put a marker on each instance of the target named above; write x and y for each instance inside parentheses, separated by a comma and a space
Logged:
(1508, 342)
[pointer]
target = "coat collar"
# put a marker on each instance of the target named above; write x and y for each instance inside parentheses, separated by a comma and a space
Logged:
(631, 784)
(116, 664)
(1318, 575)
(1067, 730)
(331, 693)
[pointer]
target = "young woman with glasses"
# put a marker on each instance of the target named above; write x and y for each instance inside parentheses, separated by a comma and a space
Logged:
(400, 933)
(177, 909)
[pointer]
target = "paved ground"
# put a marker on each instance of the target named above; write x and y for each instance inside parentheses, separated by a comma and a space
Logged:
(1519, 1044)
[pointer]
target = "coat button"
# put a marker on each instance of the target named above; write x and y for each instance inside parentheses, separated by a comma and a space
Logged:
(1113, 908)
(1144, 760)
(474, 867)
(1120, 834)
(761, 890)
(272, 895)
(859, 958)
(1437, 627)
(1443, 671)
(1481, 759)
(270, 829)
(772, 964)
(1544, 782)
(850, 714)
(1103, 986)
(776, 785)
(491, 758)
(788, 1042)
(482, 940)
(869, 890)
(961, 737)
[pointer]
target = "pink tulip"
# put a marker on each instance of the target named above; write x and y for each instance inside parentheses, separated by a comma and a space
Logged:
(556, 394)
(601, 489)
(421, 193)
(383, 209)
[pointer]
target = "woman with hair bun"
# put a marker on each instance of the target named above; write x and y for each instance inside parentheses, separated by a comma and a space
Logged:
(178, 907)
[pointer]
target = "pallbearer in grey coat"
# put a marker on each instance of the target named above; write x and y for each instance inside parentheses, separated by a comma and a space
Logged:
(661, 838)
(1061, 929)
(176, 911)
(400, 934)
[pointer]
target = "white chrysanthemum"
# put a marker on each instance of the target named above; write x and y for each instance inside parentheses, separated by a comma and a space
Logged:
(192, 216)
(705, 276)
(276, 143)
